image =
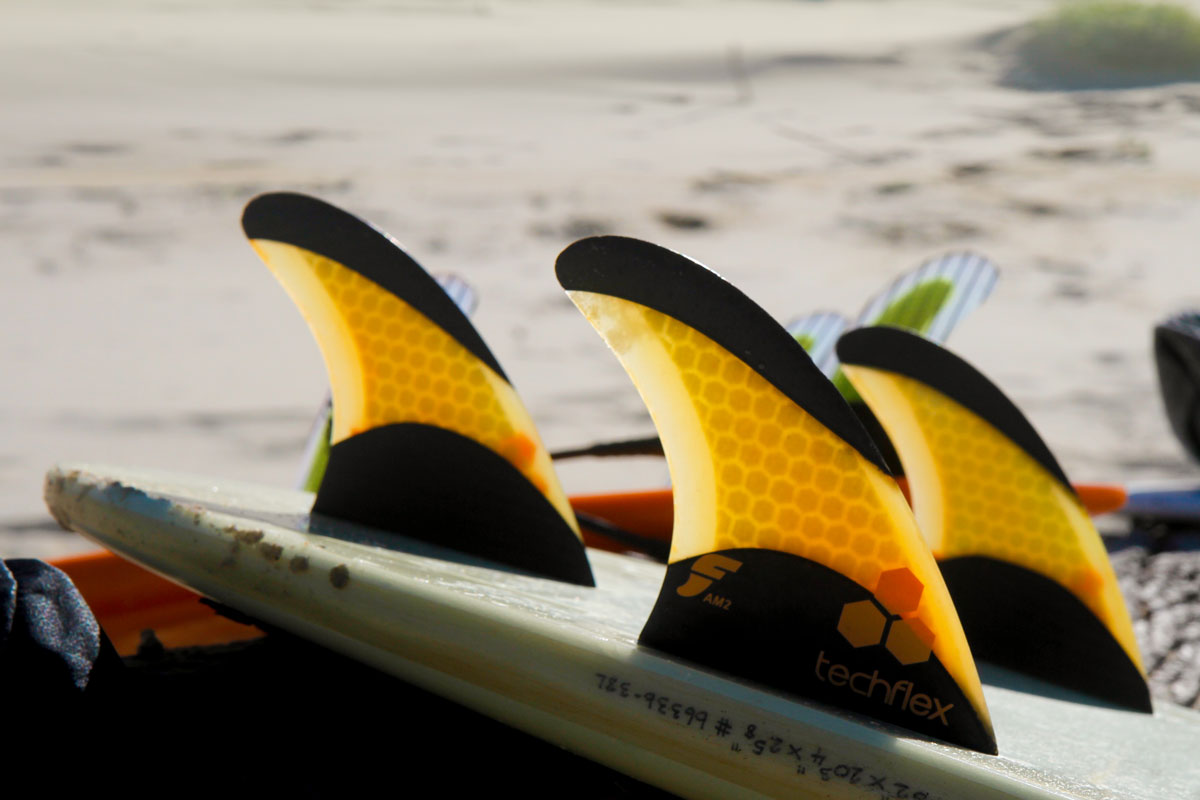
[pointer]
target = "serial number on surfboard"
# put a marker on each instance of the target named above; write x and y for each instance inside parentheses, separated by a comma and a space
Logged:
(755, 739)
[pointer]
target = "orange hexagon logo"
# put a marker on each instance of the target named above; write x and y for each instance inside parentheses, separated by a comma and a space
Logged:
(861, 623)
(899, 590)
(868, 622)
(910, 641)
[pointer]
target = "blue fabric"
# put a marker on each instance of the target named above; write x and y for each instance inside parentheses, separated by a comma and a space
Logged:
(50, 643)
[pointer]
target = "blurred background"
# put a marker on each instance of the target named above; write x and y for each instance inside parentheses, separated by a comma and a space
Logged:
(808, 151)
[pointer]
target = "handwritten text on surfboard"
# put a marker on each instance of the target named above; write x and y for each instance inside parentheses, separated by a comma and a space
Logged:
(755, 738)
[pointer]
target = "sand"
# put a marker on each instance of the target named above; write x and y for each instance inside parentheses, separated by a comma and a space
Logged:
(808, 151)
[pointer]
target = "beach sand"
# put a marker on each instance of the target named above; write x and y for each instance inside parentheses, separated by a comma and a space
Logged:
(806, 151)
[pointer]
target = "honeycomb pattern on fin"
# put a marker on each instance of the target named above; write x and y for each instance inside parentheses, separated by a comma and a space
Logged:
(763, 451)
(397, 348)
(983, 482)
(316, 448)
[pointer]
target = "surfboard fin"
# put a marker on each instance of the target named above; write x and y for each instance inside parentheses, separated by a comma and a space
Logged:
(316, 447)
(429, 438)
(933, 298)
(930, 300)
(1026, 568)
(795, 561)
(817, 333)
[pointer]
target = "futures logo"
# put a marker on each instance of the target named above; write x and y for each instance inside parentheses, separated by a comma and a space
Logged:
(705, 571)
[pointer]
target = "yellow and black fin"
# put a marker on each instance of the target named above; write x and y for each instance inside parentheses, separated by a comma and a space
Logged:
(429, 438)
(1026, 568)
(795, 560)
(316, 449)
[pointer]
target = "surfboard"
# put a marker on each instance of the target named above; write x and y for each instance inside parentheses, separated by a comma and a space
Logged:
(561, 660)
(1175, 502)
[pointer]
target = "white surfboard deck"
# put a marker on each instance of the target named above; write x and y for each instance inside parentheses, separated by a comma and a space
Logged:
(562, 661)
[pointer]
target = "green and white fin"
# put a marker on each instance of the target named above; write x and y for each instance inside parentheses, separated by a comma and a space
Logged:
(429, 438)
(936, 296)
(817, 333)
(795, 561)
(316, 448)
(930, 301)
(462, 293)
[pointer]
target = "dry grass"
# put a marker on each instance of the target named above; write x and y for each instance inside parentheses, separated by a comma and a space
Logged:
(1113, 43)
